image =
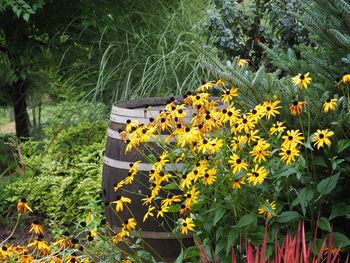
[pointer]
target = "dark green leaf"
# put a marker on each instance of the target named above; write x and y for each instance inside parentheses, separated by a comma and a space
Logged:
(219, 214)
(324, 224)
(327, 185)
(246, 220)
(340, 240)
(288, 216)
(232, 236)
(339, 209)
(305, 195)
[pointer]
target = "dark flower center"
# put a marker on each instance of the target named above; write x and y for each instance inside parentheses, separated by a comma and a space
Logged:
(288, 152)
(321, 136)
(295, 103)
(184, 224)
(328, 101)
(268, 108)
(302, 77)
(206, 175)
(290, 137)
(227, 92)
(256, 174)
(245, 121)
(238, 161)
(254, 111)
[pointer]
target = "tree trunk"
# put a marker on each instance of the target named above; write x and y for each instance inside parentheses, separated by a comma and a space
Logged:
(20, 108)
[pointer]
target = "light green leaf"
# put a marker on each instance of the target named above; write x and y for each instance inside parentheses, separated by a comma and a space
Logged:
(246, 220)
(327, 185)
(26, 17)
(288, 216)
(343, 145)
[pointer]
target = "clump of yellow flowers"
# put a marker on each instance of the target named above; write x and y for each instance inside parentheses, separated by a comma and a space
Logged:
(219, 144)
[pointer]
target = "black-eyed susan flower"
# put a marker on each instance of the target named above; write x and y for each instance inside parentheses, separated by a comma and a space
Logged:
(238, 182)
(129, 224)
(5, 252)
(277, 128)
(288, 155)
(237, 163)
(191, 197)
(220, 83)
(161, 161)
(346, 78)
(229, 94)
(184, 210)
(330, 105)
(121, 200)
(171, 199)
(302, 80)
(267, 209)
(206, 86)
(120, 236)
(187, 225)
(163, 209)
(148, 213)
(36, 228)
(246, 124)
(260, 151)
(257, 175)
(209, 177)
(188, 136)
(186, 180)
(257, 113)
(270, 108)
(127, 261)
(40, 245)
(296, 107)
(321, 138)
(22, 206)
(292, 139)
(242, 62)
(26, 258)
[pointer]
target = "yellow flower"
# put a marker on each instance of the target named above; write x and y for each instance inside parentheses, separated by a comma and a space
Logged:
(346, 78)
(120, 202)
(296, 107)
(246, 124)
(237, 164)
(191, 197)
(187, 225)
(260, 151)
(237, 183)
(170, 199)
(209, 177)
(330, 105)
(288, 155)
(40, 245)
(266, 211)
(120, 236)
(257, 175)
(242, 62)
(127, 261)
(293, 138)
(22, 206)
(229, 95)
(270, 108)
(277, 128)
(302, 80)
(148, 213)
(206, 86)
(163, 210)
(129, 224)
(321, 138)
(36, 228)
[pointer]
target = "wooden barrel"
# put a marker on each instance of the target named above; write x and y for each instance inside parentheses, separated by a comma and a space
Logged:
(158, 239)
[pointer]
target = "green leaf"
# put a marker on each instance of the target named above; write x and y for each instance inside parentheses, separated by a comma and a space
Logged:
(219, 214)
(288, 216)
(26, 17)
(343, 145)
(180, 258)
(340, 240)
(305, 195)
(339, 209)
(246, 220)
(324, 224)
(327, 185)
(287, 171)
(232, 236)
